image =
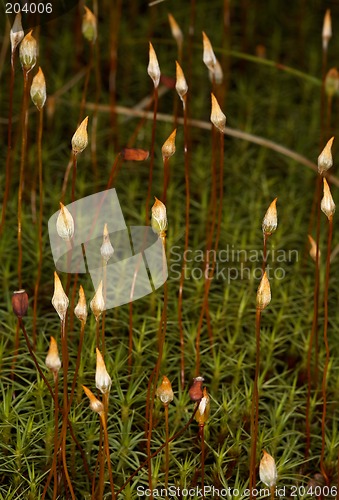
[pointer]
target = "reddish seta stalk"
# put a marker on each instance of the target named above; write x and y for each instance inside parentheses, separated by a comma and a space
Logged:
(327, 349)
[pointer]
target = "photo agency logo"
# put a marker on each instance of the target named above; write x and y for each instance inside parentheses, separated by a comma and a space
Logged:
(35, 12)
(137, 264)
(229, 263)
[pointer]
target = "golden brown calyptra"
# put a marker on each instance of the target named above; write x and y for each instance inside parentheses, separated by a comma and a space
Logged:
(164, 391)
(168, 148)
(53, 361)
(20, 303)
(94, 403)
(80, 309)
(89, 25)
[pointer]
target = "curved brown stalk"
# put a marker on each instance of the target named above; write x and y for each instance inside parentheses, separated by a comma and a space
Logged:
(9, 146)
(38, 278)
(22, 326)
(82, 453)
(15, 350)
(255, 407)
(187, 227)
(114, 170)
(65, 181)
(327, 349)
(22, 172)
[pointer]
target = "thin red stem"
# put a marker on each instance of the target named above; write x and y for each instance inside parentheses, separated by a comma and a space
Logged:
(109, 465)
(77, 365)
(53, 471)
(74, 176)
(38, 278)
(209, 269)
(150, 400)
(314, 330)
(22, 326)
(65, 361)
(202, 435)
(22, 172)
(187, 227)
(166, 447)
(327, 349)
(255, 407)
(166, 180)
